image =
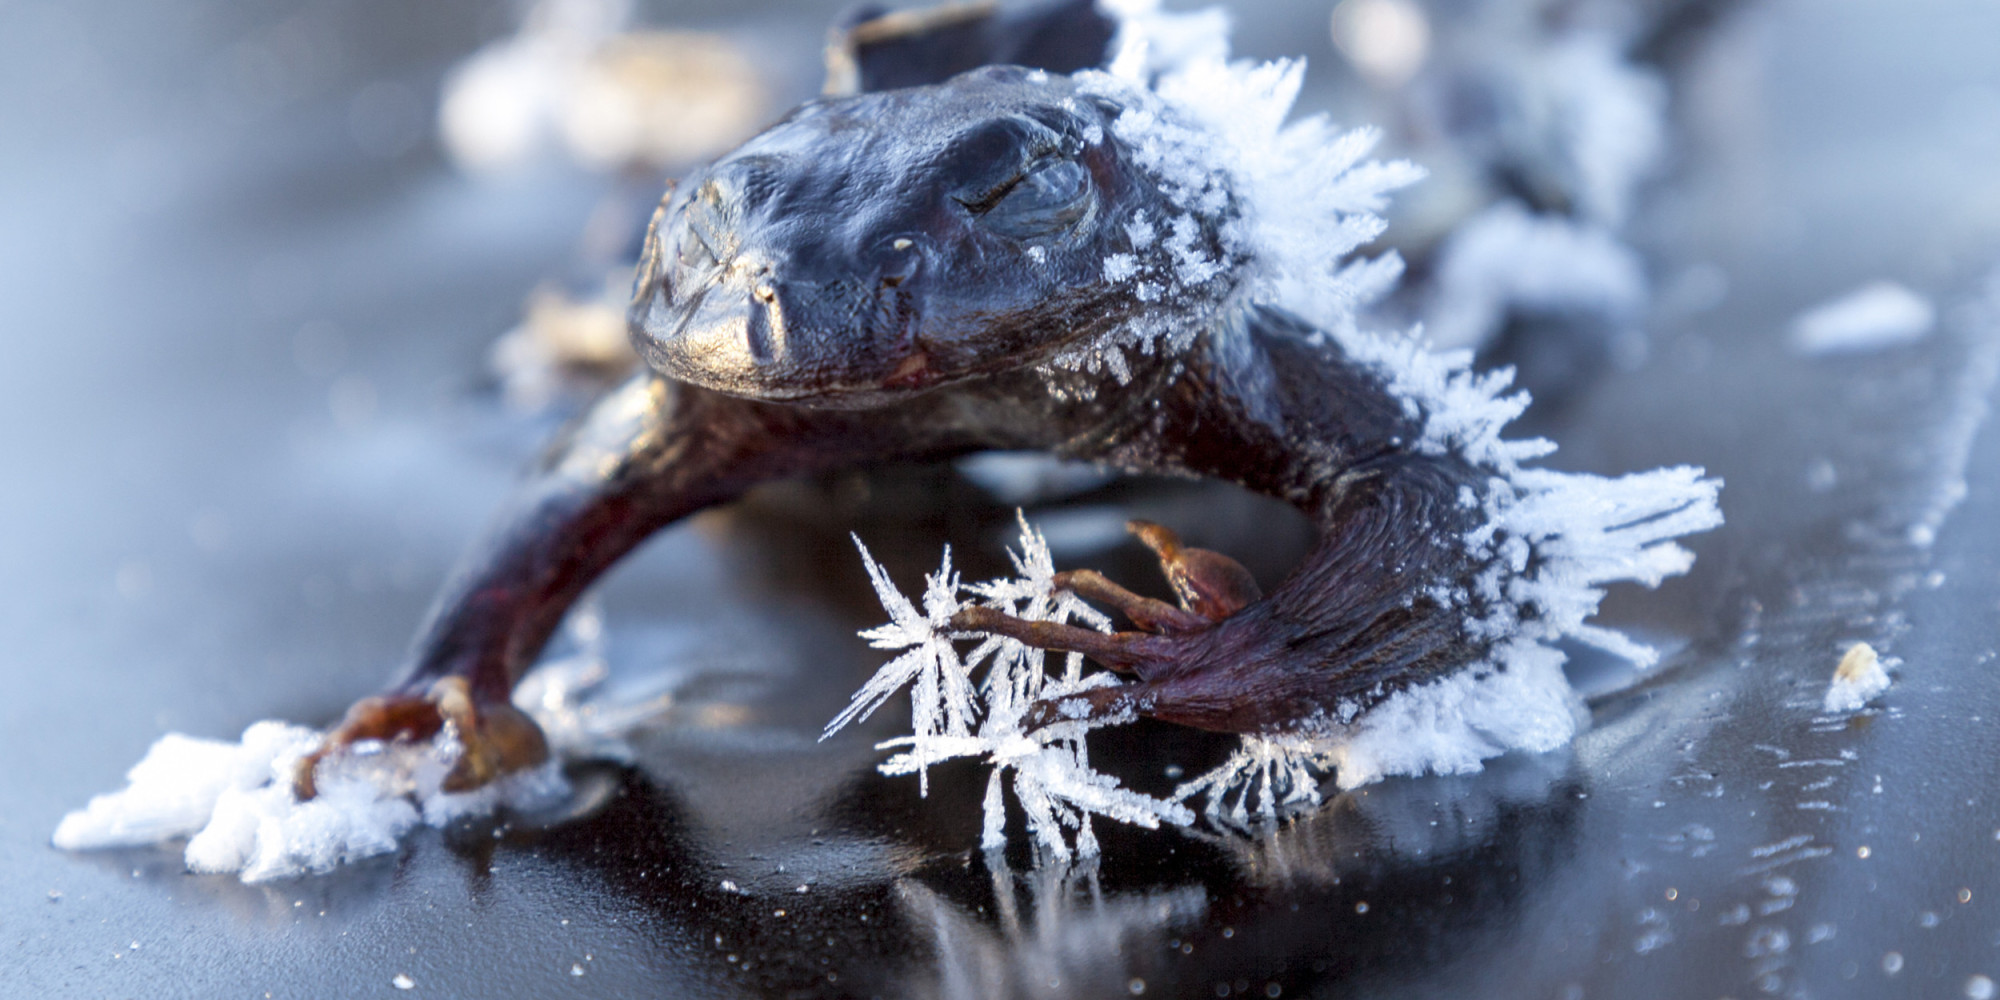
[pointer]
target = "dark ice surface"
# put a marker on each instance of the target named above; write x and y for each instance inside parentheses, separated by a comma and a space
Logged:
(247, 429)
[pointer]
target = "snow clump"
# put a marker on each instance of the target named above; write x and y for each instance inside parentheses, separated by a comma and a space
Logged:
(234, 801)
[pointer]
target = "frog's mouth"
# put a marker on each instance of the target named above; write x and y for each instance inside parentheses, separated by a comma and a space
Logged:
(738, 327)
(864, 331)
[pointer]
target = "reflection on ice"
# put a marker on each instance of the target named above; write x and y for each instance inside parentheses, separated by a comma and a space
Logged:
(1071, 941)
(1402, 822)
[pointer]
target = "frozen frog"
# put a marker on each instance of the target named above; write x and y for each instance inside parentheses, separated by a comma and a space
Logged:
(1044, 256)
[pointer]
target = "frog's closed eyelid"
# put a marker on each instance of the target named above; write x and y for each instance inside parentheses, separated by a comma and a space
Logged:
(1045, 201)
(981, 202)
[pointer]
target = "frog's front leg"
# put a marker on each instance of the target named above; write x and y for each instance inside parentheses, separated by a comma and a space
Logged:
(650, 453)
(1210, 585)
(1365, 614)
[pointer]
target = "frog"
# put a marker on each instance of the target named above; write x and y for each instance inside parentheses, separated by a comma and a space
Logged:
(918, 272)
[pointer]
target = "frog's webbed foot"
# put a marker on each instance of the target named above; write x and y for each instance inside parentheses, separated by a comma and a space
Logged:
(495, 738)
(1211, 587)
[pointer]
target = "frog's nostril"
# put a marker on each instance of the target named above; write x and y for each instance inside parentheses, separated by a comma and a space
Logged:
(901, 263)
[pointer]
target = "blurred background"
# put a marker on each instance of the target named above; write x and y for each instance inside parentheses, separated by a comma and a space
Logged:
(293, 290)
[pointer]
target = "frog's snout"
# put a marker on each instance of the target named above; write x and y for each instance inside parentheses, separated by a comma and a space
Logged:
(763, 324)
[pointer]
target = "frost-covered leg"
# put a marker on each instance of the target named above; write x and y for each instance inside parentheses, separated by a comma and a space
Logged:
(1121, 651)
(647, 455)
(1211, 586)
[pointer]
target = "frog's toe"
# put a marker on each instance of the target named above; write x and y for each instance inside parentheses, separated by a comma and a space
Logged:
(496, 739)
(1208, 583)
(1121, 651)
(386, 717)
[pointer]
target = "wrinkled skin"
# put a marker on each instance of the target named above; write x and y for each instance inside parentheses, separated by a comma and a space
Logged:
(886, 277)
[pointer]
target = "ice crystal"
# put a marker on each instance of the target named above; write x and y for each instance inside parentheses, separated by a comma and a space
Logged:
(1053, 780)
(1278, 770)
(942, 705)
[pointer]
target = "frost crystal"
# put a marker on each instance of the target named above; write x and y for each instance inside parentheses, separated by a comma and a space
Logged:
(1058, 789)
(1278, 770)
(1263, 208)
(942, 705)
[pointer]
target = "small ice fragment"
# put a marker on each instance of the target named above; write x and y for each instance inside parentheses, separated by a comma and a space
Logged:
(1874, 317)
(1858, 678)
(403, 982)
(1979, 988)
(575, 969)
(729, 886)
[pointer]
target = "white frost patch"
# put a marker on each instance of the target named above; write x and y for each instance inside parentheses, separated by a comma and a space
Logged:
(1860, 676)
(235, 803)
(1505, 258)
(1452, 725)
(1876, 316)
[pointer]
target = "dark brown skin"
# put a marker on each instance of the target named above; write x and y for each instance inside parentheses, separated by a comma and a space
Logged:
(854, 287)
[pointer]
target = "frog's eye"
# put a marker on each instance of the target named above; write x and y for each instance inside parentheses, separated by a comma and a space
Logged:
(1046, 200)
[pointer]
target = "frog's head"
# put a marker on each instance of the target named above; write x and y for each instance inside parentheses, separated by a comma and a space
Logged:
(873, 246)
